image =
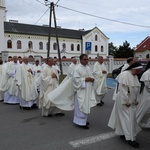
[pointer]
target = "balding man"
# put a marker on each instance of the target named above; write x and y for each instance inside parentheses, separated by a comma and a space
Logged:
(100, 75)
(49, 82)
(27, 85)
(11, 94)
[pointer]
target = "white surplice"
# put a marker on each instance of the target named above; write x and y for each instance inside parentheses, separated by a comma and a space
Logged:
(144, 103)
(26, 82)
(100, 81)
(11, 95)
(48, 84)
(84, 96)
(123, 118)
(37, 75)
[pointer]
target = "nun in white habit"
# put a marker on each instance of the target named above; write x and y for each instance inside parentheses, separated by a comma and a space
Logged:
(123, 116)
(144, 104)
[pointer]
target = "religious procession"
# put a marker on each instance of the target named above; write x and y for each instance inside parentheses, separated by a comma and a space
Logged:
(37, 87)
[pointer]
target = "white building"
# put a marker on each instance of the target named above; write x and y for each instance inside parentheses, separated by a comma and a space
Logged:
(30, 40)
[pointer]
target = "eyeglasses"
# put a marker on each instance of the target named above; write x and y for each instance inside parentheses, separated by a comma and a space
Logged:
(85, 59)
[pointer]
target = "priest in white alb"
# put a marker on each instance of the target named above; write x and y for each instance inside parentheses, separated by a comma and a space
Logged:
(49, 82)
(83, 82)
(25, 80)
(100, 75)
(11, 95)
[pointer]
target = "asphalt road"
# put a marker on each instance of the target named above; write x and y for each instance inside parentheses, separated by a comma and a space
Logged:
(28, 130)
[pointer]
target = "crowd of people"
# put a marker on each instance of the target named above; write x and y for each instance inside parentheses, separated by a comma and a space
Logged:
(37, 86)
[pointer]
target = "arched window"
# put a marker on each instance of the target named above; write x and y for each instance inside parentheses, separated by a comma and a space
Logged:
(78, 47)
(40, 45)
(18, 44)
(30, 45)
(63, 46)
(30, 56)
(102, 49)
(72, 47)
(55, 46)
(96, 48)
(96, 38)
(9, 44)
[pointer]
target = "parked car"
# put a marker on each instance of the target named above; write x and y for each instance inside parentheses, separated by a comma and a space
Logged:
(117, 71)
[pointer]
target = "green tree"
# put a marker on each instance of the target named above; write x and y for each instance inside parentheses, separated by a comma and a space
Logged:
(112, 49)
(124, 51)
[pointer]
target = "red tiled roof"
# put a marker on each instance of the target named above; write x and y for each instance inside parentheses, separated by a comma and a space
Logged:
(144, 45)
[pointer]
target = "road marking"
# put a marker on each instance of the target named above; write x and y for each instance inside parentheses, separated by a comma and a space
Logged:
(92, 139)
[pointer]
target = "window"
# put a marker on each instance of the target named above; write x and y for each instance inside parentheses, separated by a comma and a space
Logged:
(55, 46)
(96, 37)
(18, 44)
(40, 45)
(30, 45)
(78, 47)
(63, 46)
(72, 47)
(102, 49)
(96, 48)
(9, 44)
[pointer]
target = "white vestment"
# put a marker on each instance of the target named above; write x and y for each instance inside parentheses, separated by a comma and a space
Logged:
(11, 95)
(144, 103)
(1, 79)
(48, 84)
(63, 95)
(26, 82)
(100, 81)
(4, 79)
(85, 95)
(123, 118)
(37, 75)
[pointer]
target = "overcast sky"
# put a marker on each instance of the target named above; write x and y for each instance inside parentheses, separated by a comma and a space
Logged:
(105, 14)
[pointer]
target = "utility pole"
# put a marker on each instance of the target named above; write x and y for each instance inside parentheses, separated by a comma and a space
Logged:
(52, 9)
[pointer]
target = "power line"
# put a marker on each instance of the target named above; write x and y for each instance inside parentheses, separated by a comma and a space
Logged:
(122, 22)
(41, 16)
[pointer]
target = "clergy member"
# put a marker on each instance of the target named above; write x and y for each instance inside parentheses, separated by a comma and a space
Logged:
(123, 116)
(11, 95)
(27, 85)
(100, 75)
(83, 82)
(49, 82)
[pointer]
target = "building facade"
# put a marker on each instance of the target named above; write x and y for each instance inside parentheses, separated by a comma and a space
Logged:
(30, 40)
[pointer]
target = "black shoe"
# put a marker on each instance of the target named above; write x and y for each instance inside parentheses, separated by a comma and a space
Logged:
(99, 104)
(59, 114)
(49, 115)
(133, 144)
(34, 106)
(122, 137)
(102, 102)
(87, 123)
(85, 127)
(25, 108)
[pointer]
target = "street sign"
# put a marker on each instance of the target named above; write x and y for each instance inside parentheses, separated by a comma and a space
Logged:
(88, 46)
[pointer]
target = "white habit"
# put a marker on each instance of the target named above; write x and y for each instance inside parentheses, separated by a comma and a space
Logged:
(144, 103)
(123, 118)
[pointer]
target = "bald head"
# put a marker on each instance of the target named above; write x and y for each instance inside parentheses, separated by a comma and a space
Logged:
(25, 60)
